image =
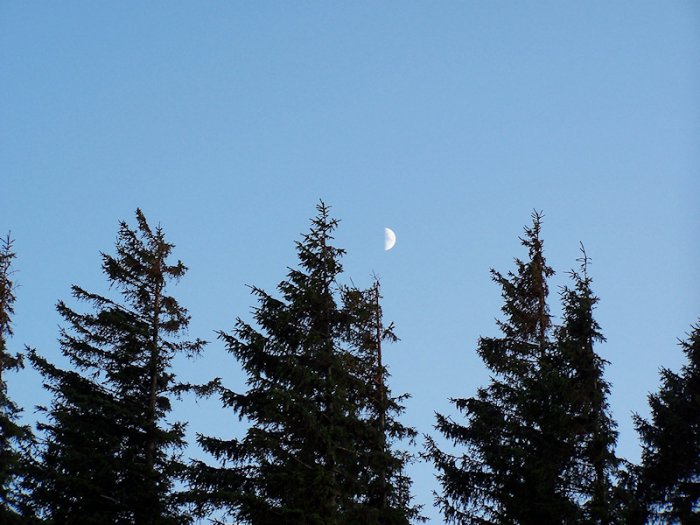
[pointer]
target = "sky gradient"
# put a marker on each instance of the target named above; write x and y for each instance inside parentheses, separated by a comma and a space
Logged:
(447, 122)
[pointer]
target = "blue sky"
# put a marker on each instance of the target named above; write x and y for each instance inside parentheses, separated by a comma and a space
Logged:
(448, 122)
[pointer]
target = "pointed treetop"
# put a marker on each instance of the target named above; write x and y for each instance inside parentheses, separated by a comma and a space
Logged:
(314, 251)
(7, 286)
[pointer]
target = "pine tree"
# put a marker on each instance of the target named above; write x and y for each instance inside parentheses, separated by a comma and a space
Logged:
(109, 454)
(14, 438)
(521, 454)
(670, 469)
(315, 452)
(585, 394)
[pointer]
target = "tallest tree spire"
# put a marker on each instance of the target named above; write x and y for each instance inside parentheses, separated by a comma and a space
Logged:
(314, 453)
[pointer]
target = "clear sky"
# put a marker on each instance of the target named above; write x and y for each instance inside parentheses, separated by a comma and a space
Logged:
(448, 122)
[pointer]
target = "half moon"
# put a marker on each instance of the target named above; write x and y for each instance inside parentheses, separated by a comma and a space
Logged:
(389, 239)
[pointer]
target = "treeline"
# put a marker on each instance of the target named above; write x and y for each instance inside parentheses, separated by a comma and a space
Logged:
(324, 443)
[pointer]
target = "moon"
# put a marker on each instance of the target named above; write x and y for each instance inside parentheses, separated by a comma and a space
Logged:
(389, 239)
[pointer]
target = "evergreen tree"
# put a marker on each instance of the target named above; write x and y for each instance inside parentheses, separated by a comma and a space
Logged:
(538, 440)
(585, 394)
(109, 454)
(14, 438)
(631, 508)
(670, 469)
(316, 451)
(383, 487)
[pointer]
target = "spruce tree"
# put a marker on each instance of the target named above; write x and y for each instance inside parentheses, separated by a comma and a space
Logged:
(316, 451)
(537, 444)
(383, 487)
(109, 455)
(670, 467)
(585, 393)
(14, 438)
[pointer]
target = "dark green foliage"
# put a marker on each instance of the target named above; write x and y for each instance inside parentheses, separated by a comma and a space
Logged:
(319, 447)
(628, 495)
(14, 438)
(109, 456)
(383, 489)
(584, 396)
(670, 469)
(509, 470)
(537, 444)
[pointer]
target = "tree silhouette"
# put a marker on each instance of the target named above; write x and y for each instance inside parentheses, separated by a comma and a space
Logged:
(109, 456)
(670, 468)
(14, 438)
(537, 445)
(317, 450)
